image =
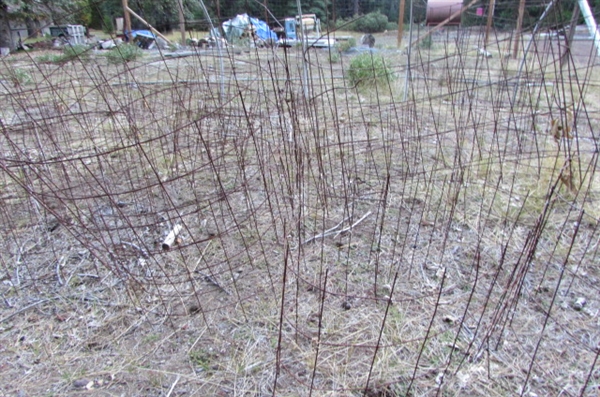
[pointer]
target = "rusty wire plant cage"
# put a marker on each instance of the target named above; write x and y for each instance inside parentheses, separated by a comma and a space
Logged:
(250, 223)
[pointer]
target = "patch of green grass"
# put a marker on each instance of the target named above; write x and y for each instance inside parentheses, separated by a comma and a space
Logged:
(18, 77)
(201, 359)
(48, 58)
(151, 338)
(124, 53)
(80, 52)
(70, 53)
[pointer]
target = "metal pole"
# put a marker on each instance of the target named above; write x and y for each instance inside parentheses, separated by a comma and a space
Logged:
(590, 22)
(181, 22)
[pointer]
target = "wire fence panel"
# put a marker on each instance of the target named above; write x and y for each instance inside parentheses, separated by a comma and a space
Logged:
(249, 220)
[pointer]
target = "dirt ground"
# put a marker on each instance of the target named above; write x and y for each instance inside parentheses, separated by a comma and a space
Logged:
(433, 234)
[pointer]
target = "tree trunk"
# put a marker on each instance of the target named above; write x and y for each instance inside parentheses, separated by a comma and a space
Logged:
(33, 27)
(356, 9)
(5, 39)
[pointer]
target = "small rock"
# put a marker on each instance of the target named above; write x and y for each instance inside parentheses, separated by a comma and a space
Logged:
(80, 383)
(579, 303)
(346, 305)
(450, 319)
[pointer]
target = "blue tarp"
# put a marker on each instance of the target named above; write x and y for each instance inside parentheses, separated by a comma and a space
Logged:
(235, 27)
(144, 33)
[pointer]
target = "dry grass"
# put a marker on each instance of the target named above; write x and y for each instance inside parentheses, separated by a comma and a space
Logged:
(335, 242)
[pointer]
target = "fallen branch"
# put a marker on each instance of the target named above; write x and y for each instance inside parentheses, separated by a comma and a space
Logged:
(211, 280)
(326, 232)
(173, 385)
(332, 231)
(23, 310)
(354, 224)
(58, 265)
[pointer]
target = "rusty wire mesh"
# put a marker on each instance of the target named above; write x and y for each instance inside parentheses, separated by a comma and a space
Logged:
(335, 239)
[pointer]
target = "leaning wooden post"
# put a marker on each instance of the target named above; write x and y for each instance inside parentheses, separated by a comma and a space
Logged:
(488, 26)
(401, 21)
(518, 29)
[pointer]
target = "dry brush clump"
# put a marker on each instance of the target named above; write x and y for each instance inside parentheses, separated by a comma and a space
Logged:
(333, 240)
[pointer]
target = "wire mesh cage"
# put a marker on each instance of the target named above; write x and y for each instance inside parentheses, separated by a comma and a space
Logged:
(240, 219)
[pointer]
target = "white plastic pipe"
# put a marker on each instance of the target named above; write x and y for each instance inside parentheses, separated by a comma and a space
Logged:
(590, 22)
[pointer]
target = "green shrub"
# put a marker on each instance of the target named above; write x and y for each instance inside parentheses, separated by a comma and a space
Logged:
(369, 70)
(124, 53)
(71, 52)
(345, 24)
(373, 22)
(344, 46)
(391, 26)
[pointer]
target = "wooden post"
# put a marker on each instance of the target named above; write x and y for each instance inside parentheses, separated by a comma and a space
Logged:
(401, 21)
(181, 22)
(488, 26)
(564, 57)
(518, 29)
(126, 21)
(265, 5)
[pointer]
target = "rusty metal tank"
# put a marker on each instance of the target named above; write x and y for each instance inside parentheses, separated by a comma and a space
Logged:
(439, 10)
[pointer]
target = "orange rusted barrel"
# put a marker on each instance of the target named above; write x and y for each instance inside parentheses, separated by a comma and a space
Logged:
(439, 10)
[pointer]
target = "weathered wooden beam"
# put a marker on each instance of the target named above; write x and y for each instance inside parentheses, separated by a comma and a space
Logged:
(156, 32)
